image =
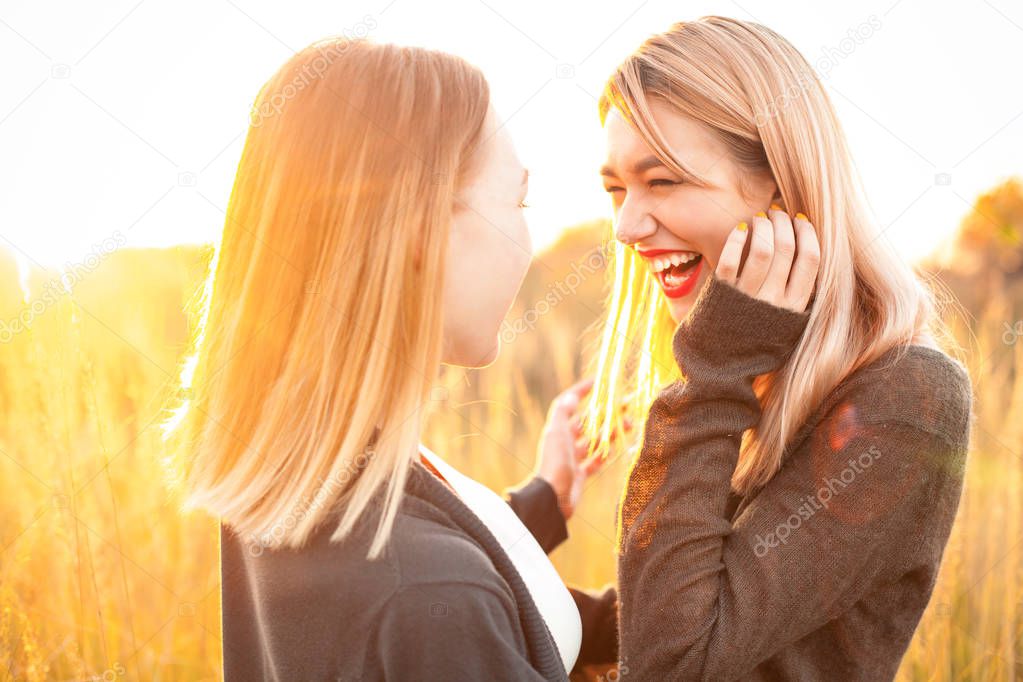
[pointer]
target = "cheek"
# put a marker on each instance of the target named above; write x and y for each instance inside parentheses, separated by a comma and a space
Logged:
(487, 264)
(697, 218)
(523, 241)
(509, 244)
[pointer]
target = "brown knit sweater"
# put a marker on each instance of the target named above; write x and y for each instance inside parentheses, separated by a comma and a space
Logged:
(822, 574)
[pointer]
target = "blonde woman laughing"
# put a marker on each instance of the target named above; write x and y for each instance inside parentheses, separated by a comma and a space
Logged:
(804, 433)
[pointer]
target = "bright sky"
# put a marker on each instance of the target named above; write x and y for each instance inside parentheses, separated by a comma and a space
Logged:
(124, 121)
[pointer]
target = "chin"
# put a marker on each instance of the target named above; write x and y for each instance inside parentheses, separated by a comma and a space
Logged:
(679, 309)
(487, 357)
(478, 355)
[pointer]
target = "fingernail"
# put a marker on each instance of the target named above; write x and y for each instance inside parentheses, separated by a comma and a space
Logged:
(761, 214)
(742, 227)
(775, 207)
(800, 216)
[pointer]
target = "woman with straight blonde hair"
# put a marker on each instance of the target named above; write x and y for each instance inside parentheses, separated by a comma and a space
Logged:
(804, 433)
(374, 231)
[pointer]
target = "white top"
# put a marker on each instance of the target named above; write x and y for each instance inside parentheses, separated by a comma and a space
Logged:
(552, 598)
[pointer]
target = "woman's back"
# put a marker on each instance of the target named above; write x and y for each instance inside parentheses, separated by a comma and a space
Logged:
(442, 602)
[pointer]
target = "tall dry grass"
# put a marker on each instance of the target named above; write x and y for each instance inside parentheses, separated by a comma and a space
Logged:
(102, 579)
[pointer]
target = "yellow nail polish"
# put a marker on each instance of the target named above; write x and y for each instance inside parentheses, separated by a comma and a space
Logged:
(742, 227)
(761, 214)
(800, 216)
(775, 207)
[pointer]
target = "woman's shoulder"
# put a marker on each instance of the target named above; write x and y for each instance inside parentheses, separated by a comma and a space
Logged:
(432, 585)
(428, 547)
(450, 593)
(429, 543)
(917, 384)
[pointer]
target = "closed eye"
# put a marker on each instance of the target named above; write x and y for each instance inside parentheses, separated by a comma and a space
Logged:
(657, 182)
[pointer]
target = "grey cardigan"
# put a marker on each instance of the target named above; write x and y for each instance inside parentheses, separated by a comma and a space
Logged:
(444, 603)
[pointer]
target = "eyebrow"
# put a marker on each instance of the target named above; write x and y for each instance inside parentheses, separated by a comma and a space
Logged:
(641, 166)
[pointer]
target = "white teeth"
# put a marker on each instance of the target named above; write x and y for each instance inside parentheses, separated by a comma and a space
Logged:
(660, 263)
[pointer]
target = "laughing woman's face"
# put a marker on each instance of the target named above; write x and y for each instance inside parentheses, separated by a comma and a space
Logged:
(678, 227)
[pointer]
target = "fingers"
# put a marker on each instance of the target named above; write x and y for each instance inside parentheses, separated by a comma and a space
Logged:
(803, 278)
(783, 260)
(564, 414)
(568, 400)
(592, 465)
(758, 263)
(576, 428)
(581, 388)
(773, 288)
(728, 263)
(563, 408)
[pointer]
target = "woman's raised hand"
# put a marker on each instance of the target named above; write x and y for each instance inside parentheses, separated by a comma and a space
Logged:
(782, 261)
(561, 454)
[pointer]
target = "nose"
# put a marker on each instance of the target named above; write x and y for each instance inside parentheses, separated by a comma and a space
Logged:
(633, 222)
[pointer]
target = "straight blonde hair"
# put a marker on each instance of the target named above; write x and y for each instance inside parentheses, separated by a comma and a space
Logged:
(764, 102)
(320, 330)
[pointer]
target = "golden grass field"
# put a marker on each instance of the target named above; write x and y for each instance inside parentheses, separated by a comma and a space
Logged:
(101, 578)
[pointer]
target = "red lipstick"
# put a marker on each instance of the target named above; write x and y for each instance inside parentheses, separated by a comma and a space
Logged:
(686, 286)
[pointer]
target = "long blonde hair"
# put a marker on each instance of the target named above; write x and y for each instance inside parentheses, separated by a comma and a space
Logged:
(320, 331)
(763, 101)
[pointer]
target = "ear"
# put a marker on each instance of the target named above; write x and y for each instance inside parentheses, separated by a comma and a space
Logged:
(776, 198)
(765, 184)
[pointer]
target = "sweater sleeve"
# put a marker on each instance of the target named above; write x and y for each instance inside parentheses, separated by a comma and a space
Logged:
(598, 611)
(451, 631)
(536, 505)
(703, 599)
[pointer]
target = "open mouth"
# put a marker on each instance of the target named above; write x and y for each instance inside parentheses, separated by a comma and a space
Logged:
(676, 271)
